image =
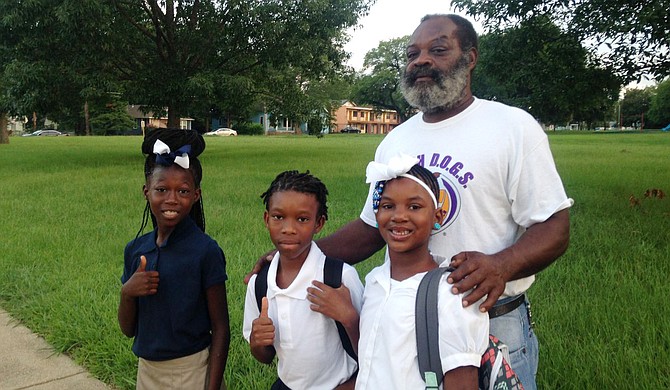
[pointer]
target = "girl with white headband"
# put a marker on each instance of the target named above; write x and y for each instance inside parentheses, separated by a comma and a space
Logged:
(406, 204)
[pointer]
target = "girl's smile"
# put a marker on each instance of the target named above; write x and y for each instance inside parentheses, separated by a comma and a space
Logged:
(405, 216)
(171, 193)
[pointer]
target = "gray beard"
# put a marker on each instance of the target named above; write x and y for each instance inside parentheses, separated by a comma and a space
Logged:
(445, 94)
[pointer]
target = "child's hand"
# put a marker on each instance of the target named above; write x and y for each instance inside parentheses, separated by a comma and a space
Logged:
(142, 282)
(332, 302)
(262, 328)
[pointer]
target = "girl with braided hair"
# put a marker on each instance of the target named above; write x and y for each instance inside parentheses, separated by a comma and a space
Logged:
(173, 299)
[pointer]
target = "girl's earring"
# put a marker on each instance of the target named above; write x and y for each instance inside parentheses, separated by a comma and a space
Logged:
(436, 226)
(376, 225)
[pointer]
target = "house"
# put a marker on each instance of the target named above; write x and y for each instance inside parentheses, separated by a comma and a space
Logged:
(148, 119)
(366, 119)
(17, 125)
(280, 125)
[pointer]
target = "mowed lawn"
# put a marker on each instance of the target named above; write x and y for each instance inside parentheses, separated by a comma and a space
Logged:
(70, 204)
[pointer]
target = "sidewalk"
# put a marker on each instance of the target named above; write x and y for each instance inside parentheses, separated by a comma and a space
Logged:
(27, 361)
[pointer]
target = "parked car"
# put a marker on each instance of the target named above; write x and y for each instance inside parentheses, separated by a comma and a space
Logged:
(223, 131)
(350, 129)
(45, 133)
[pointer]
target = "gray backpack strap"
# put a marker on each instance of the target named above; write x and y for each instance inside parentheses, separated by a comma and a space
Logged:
(427, 328)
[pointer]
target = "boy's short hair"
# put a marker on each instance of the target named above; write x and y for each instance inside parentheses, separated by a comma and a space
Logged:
(299, 182)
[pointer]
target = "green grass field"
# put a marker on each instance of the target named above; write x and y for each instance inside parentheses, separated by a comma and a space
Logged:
(70, 204)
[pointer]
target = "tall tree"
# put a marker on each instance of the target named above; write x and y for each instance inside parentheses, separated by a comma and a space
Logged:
(635, 106)
(52, 65)
(545, 71)
(632, 36)
(179, 53)
(186, 57)
(659, 110)
(379, 85)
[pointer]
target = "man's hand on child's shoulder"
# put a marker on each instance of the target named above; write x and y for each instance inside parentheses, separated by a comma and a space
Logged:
(266, 258)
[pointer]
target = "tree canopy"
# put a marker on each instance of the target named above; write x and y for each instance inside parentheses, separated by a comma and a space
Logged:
(659, 110)
(534, 66)
(545, 71)
(192, 57)
(380, 87)
(631, 36)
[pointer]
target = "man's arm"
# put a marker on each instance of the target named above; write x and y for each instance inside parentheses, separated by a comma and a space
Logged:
(353, 242)
(535, 250)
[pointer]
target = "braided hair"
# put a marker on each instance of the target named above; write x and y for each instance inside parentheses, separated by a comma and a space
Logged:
(174, 139)
(427, 177)
(421, 173)
(299, 182)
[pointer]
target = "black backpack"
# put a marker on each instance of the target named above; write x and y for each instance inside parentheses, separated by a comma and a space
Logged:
(494, 371)
(332, 276)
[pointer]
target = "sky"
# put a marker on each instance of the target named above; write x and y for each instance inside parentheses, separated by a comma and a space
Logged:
(390, 19)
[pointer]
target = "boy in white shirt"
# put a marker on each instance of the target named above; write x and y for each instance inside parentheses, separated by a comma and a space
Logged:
(306, 342)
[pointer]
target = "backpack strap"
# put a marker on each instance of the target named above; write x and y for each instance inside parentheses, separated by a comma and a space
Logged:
(427, 328)
(332, 276)
(261, 284)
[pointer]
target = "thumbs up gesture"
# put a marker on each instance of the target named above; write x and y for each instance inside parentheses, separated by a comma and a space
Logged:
(142, 282)
(262, 328)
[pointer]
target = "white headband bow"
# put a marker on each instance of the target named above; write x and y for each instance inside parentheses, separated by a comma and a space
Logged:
(165, 157)
(397, 166)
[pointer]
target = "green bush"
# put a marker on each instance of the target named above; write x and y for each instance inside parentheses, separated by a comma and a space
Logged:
(112, 123)
(248, 128)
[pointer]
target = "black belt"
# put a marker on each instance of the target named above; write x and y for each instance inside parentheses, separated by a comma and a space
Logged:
(499, 310)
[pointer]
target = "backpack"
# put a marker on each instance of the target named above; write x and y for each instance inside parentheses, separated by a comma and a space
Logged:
(494, 371)
(332, 276)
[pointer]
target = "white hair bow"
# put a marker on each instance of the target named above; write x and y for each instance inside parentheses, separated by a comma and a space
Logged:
(396, 166)
(165, 157)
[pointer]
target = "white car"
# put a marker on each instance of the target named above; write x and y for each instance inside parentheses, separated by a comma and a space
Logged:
(223, 131)
(44, 133)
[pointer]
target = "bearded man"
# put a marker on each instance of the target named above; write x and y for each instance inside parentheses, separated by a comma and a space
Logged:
(505, 209)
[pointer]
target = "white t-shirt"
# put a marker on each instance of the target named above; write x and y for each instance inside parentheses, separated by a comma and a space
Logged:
(387, 352)
(496, 173)
(309, 350)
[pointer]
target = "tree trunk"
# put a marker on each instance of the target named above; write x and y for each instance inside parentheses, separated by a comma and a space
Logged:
(4, 134)
(87, 119)
(173, 118)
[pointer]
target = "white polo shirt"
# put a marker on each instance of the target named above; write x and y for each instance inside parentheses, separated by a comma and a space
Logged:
(309, 350)
(387, 350)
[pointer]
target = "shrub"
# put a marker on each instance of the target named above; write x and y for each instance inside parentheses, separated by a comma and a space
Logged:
(247, 128)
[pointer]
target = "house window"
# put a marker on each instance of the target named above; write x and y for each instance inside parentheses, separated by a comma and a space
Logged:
(355, 114)
(388, 116)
